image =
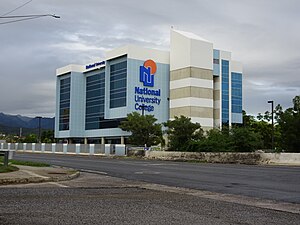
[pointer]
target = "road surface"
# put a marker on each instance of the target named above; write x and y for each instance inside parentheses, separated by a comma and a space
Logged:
(279, 183)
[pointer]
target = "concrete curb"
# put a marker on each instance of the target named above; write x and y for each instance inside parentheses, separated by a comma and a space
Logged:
(37, 179)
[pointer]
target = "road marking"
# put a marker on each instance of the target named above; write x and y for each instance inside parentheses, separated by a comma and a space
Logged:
(93, 171)
(58, 184)
(146, 172)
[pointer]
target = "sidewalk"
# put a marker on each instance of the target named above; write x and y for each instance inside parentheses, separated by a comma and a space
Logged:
(28, 174)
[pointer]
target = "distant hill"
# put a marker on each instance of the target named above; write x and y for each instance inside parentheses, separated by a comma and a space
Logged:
(12, 123)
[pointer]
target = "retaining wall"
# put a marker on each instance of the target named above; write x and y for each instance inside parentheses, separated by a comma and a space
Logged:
(227, 157)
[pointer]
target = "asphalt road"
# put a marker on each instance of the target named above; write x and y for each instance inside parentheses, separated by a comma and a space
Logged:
(99, 199)
(278, 183)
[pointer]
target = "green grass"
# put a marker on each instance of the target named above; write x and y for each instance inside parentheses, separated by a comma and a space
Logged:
(26, 163)
(7, 169)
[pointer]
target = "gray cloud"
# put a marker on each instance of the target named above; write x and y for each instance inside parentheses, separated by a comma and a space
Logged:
(264, 35)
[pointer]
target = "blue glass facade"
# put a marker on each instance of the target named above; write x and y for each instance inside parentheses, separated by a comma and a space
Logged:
(64, 104)
(95, 100)
(225, 91)
(118, 84)
(236, 92)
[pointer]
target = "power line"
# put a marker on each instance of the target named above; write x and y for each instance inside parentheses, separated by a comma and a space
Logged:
(17, 8)
(25, 17)
(28, 16)
(14, 21)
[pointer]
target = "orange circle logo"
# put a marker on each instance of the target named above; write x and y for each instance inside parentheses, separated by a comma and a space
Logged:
(150, 63)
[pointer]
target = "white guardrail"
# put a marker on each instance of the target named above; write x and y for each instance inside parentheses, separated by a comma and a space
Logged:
(80, 149)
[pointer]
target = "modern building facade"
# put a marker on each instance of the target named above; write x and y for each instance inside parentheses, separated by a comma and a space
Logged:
(192, 79)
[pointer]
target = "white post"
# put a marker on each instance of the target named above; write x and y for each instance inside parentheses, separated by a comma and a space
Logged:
(33, 147)
(24, 146)
(107, 149)
(65, 148)
(43, 146)
(92, 149)
(120, 150)
(53, 147)
(77, 148)
(8, 146)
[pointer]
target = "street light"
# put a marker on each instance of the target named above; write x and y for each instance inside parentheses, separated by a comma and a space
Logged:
(272, 108)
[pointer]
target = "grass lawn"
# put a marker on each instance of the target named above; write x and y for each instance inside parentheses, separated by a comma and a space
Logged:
(25, 163)
(7, 169)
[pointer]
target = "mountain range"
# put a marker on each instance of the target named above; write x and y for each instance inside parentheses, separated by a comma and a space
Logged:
(12, 122)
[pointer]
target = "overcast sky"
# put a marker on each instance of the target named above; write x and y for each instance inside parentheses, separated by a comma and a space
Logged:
(263, 34)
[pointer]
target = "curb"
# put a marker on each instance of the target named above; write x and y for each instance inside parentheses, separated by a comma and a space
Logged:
(38, 179)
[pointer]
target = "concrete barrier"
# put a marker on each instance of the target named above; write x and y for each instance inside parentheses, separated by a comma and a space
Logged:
(83, 149)
(227, 157)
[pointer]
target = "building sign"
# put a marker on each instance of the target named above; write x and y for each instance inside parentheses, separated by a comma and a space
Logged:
(147, 98)
(94, 65)
(147, 72)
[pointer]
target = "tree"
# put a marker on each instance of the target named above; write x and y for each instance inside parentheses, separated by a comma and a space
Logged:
(215, 140)
(181, 132)
(144, 130)
(244, 139)
(48, 136)
(31, 138)
(289, 122)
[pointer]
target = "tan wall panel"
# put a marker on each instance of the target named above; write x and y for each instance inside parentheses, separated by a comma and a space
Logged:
(191, 72)
(185, 111)
(201, 73)
(216, 95)
(201, 112)
(180, 74)
(191, 92)
(216, 114)
(193, 111)
(201, 92)
(180, 93)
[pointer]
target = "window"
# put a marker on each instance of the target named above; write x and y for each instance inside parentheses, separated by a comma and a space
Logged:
(225, 91)
(95, 95)
(118, 84)
(236, 92)
(64, 104)
(216, 61)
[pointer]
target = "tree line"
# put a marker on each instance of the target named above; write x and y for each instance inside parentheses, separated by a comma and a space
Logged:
(253, 134)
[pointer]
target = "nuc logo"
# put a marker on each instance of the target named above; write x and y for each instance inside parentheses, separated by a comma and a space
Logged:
(147, 72)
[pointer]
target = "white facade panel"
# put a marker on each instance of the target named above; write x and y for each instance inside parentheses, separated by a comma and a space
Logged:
(236, 67)
(68, 69)
(204, 122)
(191, 101)
(191, 82)
(190, 50)
(202, 54)
(225, 55)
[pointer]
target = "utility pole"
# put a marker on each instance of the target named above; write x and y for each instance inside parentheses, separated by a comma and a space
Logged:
(39, 126)
(272, 108)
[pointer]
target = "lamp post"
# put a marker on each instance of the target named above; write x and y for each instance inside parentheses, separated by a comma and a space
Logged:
(272, 108)
(39, 126)
(143, 109)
